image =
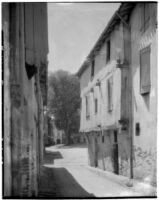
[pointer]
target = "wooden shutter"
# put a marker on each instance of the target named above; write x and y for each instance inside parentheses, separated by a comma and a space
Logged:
(87, 107)
(145, 16)
(108, 50)
(145, 83)
(96, 105)
(92, 69)
(110, 93)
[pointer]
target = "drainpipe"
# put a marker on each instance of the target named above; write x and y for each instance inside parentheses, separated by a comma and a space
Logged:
(127, 55)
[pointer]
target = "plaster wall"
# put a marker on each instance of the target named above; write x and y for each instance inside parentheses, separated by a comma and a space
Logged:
(103, 71)
(144, 107)
(101, 151)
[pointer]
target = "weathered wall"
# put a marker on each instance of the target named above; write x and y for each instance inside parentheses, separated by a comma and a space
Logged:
(103, 71)
(101, 94)
(136, 154)
(144, 108)
(26, 131)
(101, 151)
(6, 100)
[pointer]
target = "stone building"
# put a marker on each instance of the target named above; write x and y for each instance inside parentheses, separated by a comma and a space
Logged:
(118, 82)
(24, 65)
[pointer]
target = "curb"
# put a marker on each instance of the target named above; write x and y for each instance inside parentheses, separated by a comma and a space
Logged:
(142, 188)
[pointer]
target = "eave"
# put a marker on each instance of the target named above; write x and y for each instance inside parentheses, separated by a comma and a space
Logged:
(123, 11)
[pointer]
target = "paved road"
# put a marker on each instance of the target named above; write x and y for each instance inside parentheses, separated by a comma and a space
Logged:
(65, 174)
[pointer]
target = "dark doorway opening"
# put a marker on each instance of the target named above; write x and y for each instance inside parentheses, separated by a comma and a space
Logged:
(115, 153)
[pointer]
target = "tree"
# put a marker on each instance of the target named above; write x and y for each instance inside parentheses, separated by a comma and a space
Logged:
(64, 101)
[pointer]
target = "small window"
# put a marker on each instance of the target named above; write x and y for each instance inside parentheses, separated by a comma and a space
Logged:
(87, 108)
(137, 127)
(145, 83)
(145, 16)
(108, 51)
(92, 69)
(96, 105)
(110, 93)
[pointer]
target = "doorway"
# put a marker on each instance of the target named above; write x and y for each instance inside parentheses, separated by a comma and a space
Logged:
(115, 153)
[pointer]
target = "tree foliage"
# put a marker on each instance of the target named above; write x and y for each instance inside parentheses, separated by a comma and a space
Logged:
(64, 101)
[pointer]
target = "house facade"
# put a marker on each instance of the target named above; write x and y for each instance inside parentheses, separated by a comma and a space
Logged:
(118, 82)
(24, 65)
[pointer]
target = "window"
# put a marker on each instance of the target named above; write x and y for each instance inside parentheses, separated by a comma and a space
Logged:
(145, 16)
(137, 127)
(108, 50)
(87, 108)
(96, 105)
(145, 83)
(92, 69)
(110, 93)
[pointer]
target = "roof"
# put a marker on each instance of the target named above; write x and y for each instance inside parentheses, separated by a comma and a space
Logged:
(123, 12)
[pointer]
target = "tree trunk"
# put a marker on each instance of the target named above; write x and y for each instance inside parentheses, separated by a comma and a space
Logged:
(67, 137)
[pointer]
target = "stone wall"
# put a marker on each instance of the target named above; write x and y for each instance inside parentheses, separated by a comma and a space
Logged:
(22, 88)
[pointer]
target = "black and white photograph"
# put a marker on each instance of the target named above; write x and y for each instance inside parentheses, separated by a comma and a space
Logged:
(79, 99)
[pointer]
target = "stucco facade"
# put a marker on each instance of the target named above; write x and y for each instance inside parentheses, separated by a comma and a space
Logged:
(25, 49)
(113, 108)
(144, 106)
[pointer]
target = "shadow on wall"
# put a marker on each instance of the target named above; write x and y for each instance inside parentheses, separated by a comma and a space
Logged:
(58, 182)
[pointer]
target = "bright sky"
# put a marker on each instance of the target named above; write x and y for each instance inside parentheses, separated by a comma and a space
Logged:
(73, 30)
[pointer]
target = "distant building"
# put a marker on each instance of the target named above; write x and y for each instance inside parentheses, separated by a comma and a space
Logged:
(53, 135)
(24, 66)
(58, 135)
(118, 84)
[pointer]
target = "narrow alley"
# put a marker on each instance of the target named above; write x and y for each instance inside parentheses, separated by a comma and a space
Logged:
(79, 99)
(65, 173)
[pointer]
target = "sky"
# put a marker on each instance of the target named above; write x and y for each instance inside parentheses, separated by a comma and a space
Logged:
(73, 29)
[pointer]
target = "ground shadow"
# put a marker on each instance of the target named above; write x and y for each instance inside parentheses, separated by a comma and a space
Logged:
(58, 182)
(50, 156)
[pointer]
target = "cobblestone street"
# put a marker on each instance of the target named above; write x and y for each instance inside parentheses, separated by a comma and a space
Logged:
(65, 173)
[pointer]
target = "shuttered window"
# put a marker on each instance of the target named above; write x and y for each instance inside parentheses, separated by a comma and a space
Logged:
(110, 93)
(145, 16)
(145, 83)
(87, 107)
(92, 69)
(96, 105)
(108, 51)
